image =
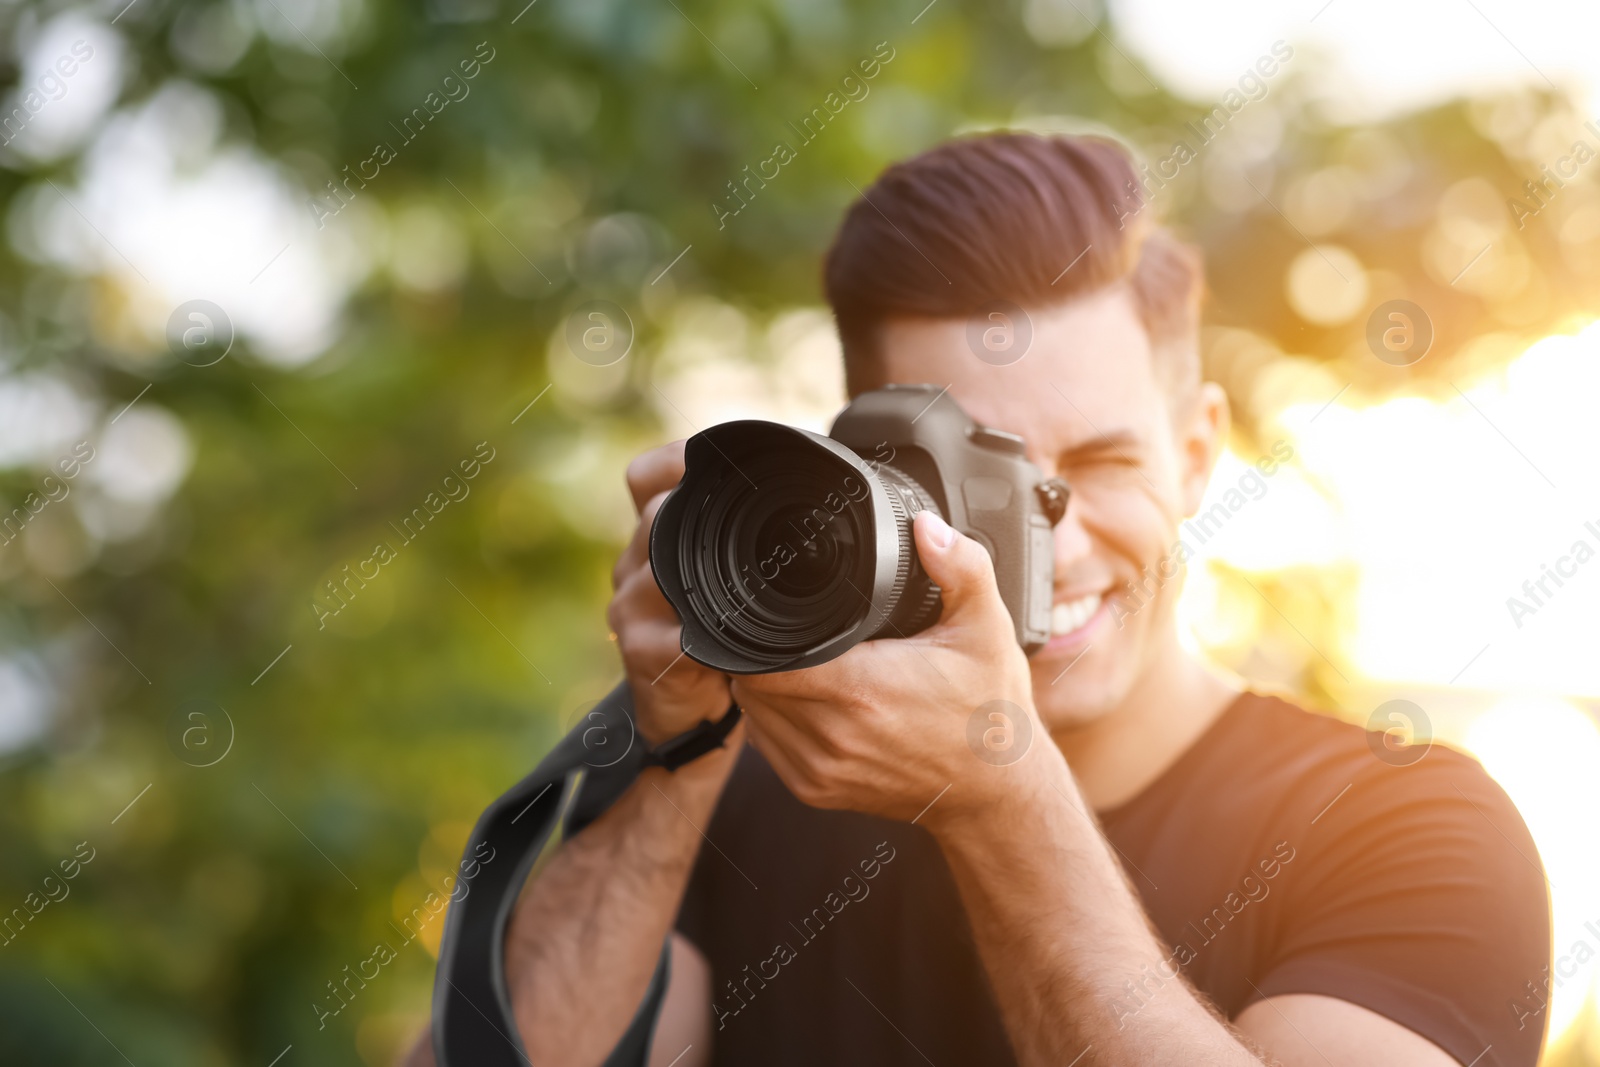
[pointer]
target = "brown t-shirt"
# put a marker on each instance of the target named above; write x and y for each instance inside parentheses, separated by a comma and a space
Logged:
(1278, 855)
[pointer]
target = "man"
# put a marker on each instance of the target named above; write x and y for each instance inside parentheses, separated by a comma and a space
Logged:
(1172, 872)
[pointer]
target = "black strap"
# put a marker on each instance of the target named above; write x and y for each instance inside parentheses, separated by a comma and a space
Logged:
(690, 746)
(473, 1025)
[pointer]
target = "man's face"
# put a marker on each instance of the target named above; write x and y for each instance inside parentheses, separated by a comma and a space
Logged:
(1087, 400)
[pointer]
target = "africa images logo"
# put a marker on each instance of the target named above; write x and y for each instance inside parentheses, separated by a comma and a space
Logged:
(1254, 887)
(851, 89)
(199, 333)
(855, 889)
(454, 89)
(999, 733)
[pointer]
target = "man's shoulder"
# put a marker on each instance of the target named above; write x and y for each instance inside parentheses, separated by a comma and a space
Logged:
(1412, 886)
(1304, 739)
(1271, 760)
(1338, 779)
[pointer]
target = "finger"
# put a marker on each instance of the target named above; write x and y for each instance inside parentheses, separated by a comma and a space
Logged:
(637, 552)
(813, 685)
(655, 471)
(650, 646)
(778, 740)
(639, 597)
(961, 568)
(776, 698)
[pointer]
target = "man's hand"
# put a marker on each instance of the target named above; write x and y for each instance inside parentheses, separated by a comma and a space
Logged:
(883, 728)
(671, 692)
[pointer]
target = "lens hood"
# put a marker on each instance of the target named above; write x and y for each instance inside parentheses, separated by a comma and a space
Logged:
(781, 548)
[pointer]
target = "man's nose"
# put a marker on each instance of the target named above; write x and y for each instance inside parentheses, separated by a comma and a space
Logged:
(1072, 540)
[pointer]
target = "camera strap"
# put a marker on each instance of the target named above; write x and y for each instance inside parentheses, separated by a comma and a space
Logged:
(473, 1023)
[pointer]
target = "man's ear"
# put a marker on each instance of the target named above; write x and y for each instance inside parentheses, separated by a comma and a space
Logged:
(1201, 435)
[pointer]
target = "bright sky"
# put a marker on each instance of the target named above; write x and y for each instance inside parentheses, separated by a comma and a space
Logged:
(1382, 56)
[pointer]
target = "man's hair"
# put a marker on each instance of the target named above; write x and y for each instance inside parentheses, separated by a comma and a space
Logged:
(1010, 218)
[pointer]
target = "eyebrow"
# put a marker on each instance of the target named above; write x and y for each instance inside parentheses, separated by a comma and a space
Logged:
(1122, 442)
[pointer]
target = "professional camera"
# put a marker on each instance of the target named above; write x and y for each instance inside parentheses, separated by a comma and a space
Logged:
(782, 549)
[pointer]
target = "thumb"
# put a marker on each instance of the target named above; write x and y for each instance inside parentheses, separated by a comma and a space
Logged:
(961, 568)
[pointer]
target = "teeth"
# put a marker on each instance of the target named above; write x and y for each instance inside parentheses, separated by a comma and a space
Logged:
(1071, 616)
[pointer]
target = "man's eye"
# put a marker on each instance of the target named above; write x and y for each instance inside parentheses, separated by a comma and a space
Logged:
(1103, 464)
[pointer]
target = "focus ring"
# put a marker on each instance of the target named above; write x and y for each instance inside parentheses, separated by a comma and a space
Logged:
(902, 569)
(914, 602)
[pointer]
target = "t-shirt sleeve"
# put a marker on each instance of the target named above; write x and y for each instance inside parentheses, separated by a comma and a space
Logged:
(1419, 895)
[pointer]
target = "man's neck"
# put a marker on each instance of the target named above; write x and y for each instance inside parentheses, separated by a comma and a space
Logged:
(1115, 757)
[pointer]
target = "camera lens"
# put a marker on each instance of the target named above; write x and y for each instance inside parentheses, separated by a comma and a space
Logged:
(782, 549)
(774, 565)
(817, 553)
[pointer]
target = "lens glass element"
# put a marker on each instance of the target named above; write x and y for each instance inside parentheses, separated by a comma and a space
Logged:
(803, 551)
(775, 552)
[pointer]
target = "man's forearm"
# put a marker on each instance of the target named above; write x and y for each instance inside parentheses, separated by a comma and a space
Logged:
(586, 936)
(1060, 933)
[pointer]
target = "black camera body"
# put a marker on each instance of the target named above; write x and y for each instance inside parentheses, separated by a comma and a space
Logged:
(783, 549)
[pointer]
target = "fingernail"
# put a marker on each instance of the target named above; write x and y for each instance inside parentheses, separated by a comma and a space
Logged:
(942, 532)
